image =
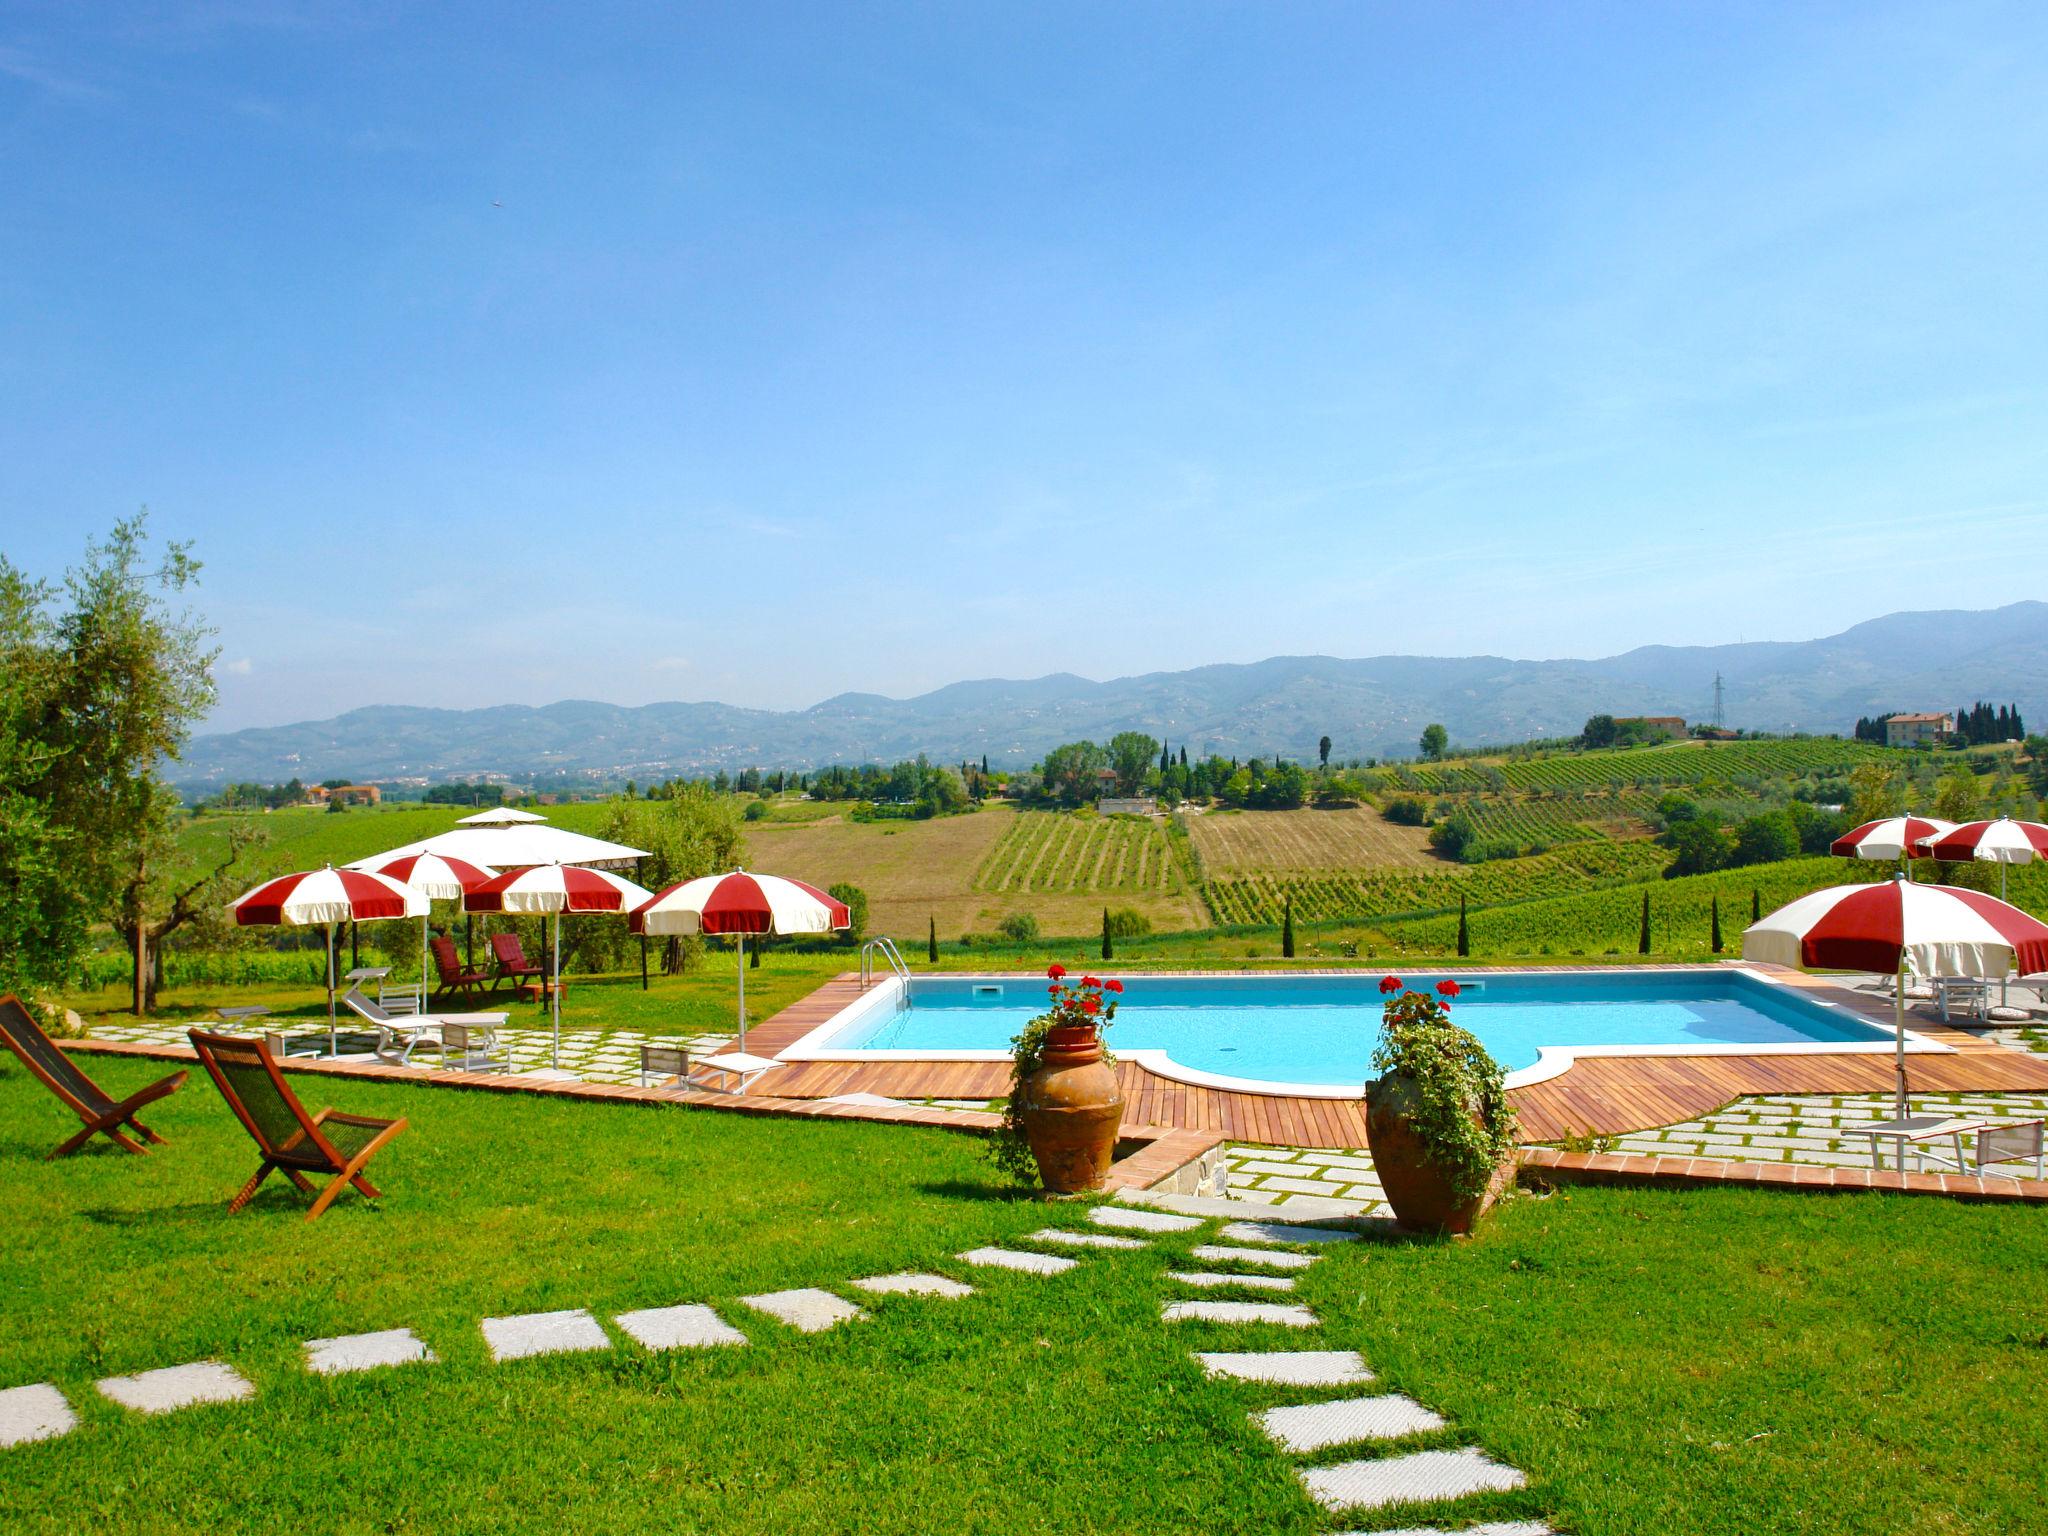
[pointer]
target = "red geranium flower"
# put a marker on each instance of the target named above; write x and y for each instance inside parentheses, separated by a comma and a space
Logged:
(1053, 990)
(1090, 981)
(1112, 985)
(1091, 1004)
(1390, 984)
(1447, 987)
(1056, 970)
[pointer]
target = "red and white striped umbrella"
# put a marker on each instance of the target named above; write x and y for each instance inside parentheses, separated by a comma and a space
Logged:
(1897, 926)
(438, 877)
(2003, 841)
(326, 897)
(1892, 837)
(554, 889)
(740, 903)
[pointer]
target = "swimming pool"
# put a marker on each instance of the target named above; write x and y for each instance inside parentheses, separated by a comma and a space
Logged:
(1314, 1035)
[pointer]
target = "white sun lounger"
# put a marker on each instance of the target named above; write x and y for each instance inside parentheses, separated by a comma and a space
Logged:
(476, 1034)
(742, 1067)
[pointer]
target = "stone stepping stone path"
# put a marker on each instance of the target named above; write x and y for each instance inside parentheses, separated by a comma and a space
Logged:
(686, 1327)
(1318, 1426)
(543, 1333)
(915, 1285)
(1067, 1239)
(1420, 1477)
(1488, 1528)
(1012, 1258)
(1213, 1278)
(178, 1386)
(1292, 1367)
(364, 1351)
(1283, 1232)
(1262, 1258)
(1239, 1312)
(808, 1310)
(1132, 1219)
(34, 1413)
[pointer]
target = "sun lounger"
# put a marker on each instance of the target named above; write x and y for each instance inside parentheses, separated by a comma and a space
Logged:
(511, 963)
(401, 1034)
(1918, 1132)
(739, 1067)
(102, 1114)
(455, 977)
(289, 1138)
(2014, 1143)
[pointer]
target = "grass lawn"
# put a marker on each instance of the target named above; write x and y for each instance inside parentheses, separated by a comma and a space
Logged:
(1704, 1362)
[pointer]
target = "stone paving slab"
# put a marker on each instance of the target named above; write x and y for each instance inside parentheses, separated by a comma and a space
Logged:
(1067, 1239)
(808, 1309)
(1318, 1426)
(1484, 1528)
(1017, 1259)
(1214, 1279)
(543, 1333)
(178, 1386)
(915, 1285)
(1291, 1367)
(1264, 1258)
(1420, 1477)
(692, 1326)
(1283, 1232)
(1287, 1316)
(1141, 1221)
(364, 1351)
(1302, 1207)
(34, 1413)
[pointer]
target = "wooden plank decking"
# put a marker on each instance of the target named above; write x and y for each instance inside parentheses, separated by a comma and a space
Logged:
(1604, 1095)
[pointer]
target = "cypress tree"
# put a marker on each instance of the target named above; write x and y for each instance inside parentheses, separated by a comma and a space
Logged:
(1756, 905)
(1183, 755)
(1287, 929)
(1643, 938)
(1717, 924)
(984, 765)
(1464, 931)
(931, 945)
(754, 957)
(1108, 947)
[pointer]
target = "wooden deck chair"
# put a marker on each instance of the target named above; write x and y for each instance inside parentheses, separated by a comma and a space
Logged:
(289, 1138)
(455, 977)
(103, 1115)
(512, 964)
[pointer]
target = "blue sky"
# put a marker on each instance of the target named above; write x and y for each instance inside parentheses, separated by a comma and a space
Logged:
(761, 352)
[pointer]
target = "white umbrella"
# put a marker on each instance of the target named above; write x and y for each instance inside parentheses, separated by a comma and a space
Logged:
(554, 889)
(434, 877)
(1897, 926)
(740, 904)
(520, 845)
(326, 897)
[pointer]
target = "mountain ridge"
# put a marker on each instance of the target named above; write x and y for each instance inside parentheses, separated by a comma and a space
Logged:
(1369, 706)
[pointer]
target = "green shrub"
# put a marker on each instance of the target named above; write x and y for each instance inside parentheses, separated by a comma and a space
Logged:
(1019, 927)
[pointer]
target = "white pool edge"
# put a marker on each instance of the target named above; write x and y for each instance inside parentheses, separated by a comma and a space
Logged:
(1551, 1060)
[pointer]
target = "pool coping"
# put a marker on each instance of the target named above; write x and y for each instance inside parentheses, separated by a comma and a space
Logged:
(1551, 1060)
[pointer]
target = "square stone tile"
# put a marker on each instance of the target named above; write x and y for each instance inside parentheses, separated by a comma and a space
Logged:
(1291, 1367)
(808, 1310)
(178, 1386)
(34, 1413)
(1133, 1219)
(1484, 1528)
(1065, 1239)
(1267, 1165)
(1281, 1232)
(364, 1351)
(543, 1333)
(1017, 1259)
(1307, 1187)
(684, 1327)
(1417, 1478)
(1318, 1426)
(1262, 1258)
(915, 1285)
(1286, 1316)
(1215, 1280)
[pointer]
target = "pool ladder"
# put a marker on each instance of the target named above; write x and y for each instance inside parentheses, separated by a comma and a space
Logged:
(886, 947)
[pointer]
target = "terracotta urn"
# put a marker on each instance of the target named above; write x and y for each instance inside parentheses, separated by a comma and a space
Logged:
(1072, 1107)
(1419, 1191)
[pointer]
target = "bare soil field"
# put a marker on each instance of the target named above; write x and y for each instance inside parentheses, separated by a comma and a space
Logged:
(1265, 842)
(914, 871)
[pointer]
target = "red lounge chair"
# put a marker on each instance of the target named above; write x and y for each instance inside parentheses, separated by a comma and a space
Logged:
(288, 1137)
(102, 1115)
(512, 964)
(455, 977)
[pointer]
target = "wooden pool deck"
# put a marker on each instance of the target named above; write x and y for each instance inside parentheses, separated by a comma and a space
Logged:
(1602, 1095)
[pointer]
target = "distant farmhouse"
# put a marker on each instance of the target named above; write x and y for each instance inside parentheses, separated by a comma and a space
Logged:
(1673, 725)
(1918, 730)
(1135, 805)
(344, 794)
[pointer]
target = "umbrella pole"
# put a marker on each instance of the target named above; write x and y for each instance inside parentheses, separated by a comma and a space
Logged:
(332, 1046)
(557, 998)
(1899, 1028)
(742, 952)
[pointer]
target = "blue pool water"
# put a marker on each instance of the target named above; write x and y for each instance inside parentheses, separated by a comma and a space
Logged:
(1321, 1030)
